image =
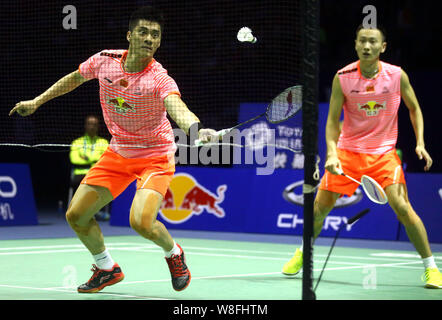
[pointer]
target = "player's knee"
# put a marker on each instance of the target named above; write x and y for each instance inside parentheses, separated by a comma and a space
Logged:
(144, 227)
(81, 208)
(73, 217)
(404, 212)
(147, 231)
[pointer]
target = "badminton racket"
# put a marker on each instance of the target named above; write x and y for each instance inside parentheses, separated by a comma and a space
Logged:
(282, 107)
(371, 188)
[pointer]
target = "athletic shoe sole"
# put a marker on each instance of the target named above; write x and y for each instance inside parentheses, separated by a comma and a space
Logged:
(111, 282)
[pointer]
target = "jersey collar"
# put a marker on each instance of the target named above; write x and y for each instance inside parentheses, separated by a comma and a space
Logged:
(123, 59)
(375, 77)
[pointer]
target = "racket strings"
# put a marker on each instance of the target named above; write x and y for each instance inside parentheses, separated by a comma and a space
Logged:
(373, 190)
(285, 105)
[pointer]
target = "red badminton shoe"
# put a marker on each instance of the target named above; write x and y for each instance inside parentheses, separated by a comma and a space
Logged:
(179, 271)
(101, 278)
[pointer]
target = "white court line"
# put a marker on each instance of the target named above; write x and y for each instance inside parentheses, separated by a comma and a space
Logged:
(66, 290)
(74, 246)
(374, 256)
(160, 251)
(147, 248)
(41, 251)
(230, 255)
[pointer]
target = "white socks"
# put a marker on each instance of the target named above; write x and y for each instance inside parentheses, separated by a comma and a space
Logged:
(104, 260)
(429, 262)
(175, 250)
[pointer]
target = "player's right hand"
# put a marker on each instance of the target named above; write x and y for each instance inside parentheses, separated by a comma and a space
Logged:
(25, 108)
(333, 164)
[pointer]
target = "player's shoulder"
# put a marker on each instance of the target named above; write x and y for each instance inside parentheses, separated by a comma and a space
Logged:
(157, 68)
(111, 53)
(351, 68)
(390, 69)
(158, 71)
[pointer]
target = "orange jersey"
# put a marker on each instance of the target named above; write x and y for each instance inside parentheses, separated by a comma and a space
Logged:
(133, 104)
(370, 109)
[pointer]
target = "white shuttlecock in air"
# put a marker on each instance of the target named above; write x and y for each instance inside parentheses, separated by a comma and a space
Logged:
(245, 35)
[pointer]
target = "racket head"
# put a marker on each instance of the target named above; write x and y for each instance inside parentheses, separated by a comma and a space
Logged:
(285, 105)
(373, 190)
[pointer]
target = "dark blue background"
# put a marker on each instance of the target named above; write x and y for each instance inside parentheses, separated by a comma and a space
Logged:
(22, 205)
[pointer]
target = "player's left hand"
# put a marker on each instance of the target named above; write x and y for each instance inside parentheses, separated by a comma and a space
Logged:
(208, 135)
(423, 154)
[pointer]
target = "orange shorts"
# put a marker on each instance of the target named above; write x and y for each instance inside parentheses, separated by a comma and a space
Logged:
(116, 173)
(386, 169)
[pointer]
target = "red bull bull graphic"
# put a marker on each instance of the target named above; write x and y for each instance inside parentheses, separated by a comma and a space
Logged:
(186, 198)
(120, 105)
(372, 108)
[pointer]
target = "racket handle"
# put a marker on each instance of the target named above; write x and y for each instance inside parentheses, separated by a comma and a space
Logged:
(219, 133)
(357, 216)
(340, 172)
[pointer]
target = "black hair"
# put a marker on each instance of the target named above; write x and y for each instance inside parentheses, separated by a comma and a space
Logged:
(146, 13)
(92, 116)
(378, 27)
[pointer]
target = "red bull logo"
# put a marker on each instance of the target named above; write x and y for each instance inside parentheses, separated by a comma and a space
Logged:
(372, 108)
(186, 197)
(120, 105)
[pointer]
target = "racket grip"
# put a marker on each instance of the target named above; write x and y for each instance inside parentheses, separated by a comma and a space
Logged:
(219, 133)
(358, 216)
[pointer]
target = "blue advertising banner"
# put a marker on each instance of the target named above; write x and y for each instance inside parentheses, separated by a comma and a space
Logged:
(17, 205)
(247, 198)
(238, 200)
(425, 195)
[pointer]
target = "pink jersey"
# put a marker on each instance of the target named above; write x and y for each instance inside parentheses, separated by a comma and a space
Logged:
(370, 109)
(133, 104)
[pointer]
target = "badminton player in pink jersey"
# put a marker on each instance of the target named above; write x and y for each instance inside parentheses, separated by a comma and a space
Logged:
(370, 91)
(136, 94)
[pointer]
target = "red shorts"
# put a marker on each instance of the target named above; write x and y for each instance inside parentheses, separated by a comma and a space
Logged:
(386, 169)
(116, 173)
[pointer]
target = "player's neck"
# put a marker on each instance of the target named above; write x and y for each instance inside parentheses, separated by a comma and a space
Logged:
(135, 63)
(369, 69)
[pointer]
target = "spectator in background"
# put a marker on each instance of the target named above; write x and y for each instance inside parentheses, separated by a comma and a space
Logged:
(85, 152)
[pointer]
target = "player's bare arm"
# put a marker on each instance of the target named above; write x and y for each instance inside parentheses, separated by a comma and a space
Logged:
(332, 128)
(184, 118)
(417, 119)
(61, 87)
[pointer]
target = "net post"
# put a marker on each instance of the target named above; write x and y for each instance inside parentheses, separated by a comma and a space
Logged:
(310, 76)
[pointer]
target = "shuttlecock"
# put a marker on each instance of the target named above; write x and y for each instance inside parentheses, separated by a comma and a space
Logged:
(245, 35)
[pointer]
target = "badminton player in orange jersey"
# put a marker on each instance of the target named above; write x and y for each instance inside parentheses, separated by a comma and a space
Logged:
(369, 91)
(136, 94)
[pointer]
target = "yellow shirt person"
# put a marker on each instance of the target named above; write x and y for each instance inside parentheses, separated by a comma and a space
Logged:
(85, 152)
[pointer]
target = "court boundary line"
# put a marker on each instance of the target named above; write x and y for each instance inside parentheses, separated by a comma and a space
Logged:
(70, 290)
(153, 248)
